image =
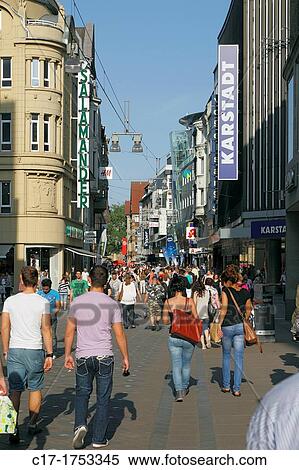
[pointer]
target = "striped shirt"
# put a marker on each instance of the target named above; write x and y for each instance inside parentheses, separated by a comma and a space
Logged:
(274, 425)
(64, 287)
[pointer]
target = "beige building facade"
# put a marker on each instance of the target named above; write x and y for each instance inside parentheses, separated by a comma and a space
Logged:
(39, 224)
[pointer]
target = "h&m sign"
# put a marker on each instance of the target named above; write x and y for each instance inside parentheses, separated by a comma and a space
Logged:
(83, 137)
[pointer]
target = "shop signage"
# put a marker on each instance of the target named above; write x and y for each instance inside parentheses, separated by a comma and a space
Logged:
(191, 233)
(74, 232)
(106, 173)
(83, 137)
(269, 229)
(90, 237)
(146, 238)
(153, 224)
(228, 112)
(124, 246)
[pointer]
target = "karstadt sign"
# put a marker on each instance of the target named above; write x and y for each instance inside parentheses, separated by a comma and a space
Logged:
(269, 229)
(228, 70)
(83, 137)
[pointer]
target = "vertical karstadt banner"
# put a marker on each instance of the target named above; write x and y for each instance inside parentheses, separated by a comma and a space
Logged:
(228, 68)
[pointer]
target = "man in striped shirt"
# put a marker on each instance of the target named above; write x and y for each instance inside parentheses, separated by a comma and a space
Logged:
(274, 425)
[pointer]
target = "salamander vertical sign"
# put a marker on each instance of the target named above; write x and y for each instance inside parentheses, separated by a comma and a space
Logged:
(83, 137)
(228, 69)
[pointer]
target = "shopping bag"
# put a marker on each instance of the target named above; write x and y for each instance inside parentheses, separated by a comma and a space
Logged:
(8, 416)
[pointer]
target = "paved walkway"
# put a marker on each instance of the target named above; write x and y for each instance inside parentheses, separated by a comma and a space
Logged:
(143, 413)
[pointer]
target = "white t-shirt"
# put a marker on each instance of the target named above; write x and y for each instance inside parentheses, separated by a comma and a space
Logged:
(85, 275)
(25, 312)
(129, 294)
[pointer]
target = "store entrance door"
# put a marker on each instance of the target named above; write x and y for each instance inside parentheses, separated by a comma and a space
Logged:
(39, 258)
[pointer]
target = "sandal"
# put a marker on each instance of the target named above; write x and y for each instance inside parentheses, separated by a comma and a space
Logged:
(237, 394)
(225, 390)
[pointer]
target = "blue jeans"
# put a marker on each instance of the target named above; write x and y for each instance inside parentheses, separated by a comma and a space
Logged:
(128, 315)
(233, 336)
(100, 368)
(181, 354)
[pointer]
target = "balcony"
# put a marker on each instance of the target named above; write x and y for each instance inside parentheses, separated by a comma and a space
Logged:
(44, 30)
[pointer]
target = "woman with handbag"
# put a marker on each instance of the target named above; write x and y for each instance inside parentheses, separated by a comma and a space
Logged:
(236, 307)
(184, 333)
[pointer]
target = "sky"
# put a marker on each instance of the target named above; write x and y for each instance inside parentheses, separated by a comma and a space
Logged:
(160, 56)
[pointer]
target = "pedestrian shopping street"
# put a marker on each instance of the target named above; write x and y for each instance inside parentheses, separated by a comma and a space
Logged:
(143, 413)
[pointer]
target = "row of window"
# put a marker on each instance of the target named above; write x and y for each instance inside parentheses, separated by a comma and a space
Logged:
(36, 67)
(187, 202)
(36, 122)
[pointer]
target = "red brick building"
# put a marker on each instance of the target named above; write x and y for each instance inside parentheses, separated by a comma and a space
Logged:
(132, 213)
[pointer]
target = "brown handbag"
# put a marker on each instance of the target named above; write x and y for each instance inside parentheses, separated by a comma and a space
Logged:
(184, 325)
(250, 335)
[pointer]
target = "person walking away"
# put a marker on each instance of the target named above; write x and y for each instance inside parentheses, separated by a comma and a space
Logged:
(154, 298)
(274, 425)
(115, 285)
(127, 298)
(2, 288)
(53, 298)
(142, 282)
(200, 296)
(26, 325)
(216, 284)
(214, 302)
(181, 350)
(94, 316)
(63, 290)
(78, 286)
(231, 327)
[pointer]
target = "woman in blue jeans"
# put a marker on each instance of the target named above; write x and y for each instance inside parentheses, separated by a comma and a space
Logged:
(231, 324)
(181, 350)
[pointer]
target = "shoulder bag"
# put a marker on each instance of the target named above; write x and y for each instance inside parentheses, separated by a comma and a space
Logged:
(184, 325)
(250, 335)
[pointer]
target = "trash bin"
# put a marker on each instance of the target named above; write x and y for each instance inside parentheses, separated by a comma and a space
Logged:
(265, 322)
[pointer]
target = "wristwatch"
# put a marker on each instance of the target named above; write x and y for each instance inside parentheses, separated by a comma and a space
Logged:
(50, 355)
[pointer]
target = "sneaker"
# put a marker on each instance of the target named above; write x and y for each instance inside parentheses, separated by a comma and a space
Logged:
(79, 436)
(179, 396)
(54, 357)
(153, 328)
(97, 445)
(133, 326)
(14, 438)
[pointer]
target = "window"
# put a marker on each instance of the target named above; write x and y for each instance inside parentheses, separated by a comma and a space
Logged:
(35, 72)
(46, 133)
(55, 75)
(5, 134)
(34, 132)
(46, 73)
(6, 80)
(5, 197)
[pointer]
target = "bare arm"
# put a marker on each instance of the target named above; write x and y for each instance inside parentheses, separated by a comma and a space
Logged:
(248, 307)
(3, 388)
(5, 331)
(71, 295)
(193, 309)
(165, 314)
(48, 342)
(224, 306)
(57, 309)
(121, 340)
(70, 330)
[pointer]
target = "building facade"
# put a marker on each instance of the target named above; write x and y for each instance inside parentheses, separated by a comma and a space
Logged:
(133, 219)
(251, 207)
(291, 75)
(41, 224)
(156, 215)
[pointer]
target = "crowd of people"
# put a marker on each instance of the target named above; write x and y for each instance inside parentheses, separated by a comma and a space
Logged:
(100, 303)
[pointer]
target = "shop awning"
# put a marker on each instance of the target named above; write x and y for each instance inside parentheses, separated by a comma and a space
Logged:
(80, 252)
